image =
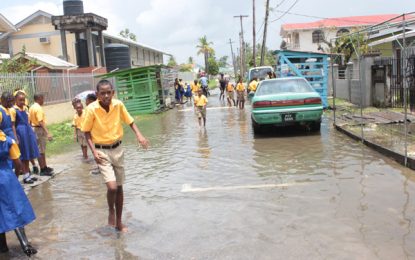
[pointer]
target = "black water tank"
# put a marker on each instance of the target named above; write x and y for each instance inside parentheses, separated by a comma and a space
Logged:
(73, 7)
(117, 56)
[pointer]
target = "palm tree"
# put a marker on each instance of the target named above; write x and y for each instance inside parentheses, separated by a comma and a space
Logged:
(205, 47)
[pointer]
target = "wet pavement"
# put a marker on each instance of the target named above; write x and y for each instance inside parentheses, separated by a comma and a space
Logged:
(223, 193)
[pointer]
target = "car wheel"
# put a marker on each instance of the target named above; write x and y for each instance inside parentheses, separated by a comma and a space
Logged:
(315, 126)
(256, 127)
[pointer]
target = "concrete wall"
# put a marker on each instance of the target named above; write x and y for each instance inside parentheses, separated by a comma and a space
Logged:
(58, 113)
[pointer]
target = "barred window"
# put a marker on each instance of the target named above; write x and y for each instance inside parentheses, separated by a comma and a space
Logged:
(318, 36)
(341, 32)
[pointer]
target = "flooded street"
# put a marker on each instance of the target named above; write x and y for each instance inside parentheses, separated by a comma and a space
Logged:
(223, 193)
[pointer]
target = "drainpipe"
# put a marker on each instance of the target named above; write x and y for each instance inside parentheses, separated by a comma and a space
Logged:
(69, 81)
(33, 79)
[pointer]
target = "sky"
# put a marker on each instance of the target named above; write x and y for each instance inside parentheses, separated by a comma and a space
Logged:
(175, 26)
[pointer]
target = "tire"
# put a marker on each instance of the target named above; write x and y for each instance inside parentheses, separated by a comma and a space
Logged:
(315, 126)
(256, 127)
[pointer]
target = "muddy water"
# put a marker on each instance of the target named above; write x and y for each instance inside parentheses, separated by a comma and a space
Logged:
(222, 193)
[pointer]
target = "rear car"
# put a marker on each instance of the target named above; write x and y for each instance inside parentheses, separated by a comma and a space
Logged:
(284, 102)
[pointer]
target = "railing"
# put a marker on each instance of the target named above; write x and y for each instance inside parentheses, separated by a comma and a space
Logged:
(56, 87)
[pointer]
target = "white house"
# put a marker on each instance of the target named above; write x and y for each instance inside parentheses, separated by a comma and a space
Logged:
(313, 35)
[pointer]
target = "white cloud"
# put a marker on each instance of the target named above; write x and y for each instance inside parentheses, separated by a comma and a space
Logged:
(17, 13)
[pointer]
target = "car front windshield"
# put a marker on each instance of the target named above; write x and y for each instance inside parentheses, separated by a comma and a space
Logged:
(283, 86)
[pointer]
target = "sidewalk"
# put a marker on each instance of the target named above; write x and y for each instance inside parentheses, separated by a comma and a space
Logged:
(383, 129)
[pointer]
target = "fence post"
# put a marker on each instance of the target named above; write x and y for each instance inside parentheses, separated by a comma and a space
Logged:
(349, 77)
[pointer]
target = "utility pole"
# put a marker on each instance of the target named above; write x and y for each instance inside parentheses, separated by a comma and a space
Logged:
(254, 33)
(242, 42)
(264, 40)
(233, 57)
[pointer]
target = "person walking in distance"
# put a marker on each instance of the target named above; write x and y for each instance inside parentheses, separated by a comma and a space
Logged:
(103, 131)
(222, 84)
(240, 92)
(79, 136)
(200, 107)
(38, 121)
(230, 94)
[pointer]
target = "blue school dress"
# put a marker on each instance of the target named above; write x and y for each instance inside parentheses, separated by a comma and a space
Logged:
(27, 138)
(15, 208)
(6, 124)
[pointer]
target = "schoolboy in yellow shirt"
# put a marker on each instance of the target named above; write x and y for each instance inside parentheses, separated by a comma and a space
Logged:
(200, 107)
(103, 131)
(230, 94)
(77, 121)
(240, 91)
(253, 85)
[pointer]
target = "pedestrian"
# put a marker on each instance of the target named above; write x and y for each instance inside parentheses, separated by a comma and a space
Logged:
(177, 92)
(240, 91)
(195, 88)
(15, 209)
(26, 136)
(103, 131)
(7, 115)
(79, 136)
(204, 82)
(222, 84)
(91, 97)
(38, 121)
(200, 107)
(35, 168)
(253, 85)
(230, 94)
(188, 92)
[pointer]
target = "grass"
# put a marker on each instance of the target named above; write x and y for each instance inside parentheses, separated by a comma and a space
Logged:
(213, 84)
(62, 138)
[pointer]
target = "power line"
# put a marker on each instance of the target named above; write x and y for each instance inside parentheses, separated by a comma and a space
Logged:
(286, 12)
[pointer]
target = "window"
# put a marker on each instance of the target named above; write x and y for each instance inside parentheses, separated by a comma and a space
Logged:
(318, 36)
(342, 31)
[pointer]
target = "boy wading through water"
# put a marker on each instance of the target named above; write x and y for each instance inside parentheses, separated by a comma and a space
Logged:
(200, 107)
(103, 131)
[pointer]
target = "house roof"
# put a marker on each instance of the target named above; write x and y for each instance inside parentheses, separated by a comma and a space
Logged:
(392, 38)
(47, 60)
(6, 25)
(32, 17)
(351, 21)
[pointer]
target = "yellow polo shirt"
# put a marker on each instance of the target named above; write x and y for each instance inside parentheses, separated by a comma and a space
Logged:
(253, 85)
(201, 101)
(195, 87)
(14, 152)
(229, 88)
(106, 128)
(77, 120)
(36, 115)
(10, 112)
(240, 87)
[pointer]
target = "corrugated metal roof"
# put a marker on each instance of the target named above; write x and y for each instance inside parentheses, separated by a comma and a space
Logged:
(6, 25)
(49, 61)
(392, 38)
(131, 42)
(351, 21)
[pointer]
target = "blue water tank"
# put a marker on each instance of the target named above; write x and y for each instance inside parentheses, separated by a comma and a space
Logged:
(117, 56)
(73, 7)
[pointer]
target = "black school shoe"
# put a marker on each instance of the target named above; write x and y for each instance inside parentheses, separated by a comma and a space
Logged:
(45, 172)
(28, 180)
(35, 170)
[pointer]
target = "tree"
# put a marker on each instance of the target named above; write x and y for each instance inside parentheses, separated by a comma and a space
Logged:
(223, 61)
(190, 60)
(269, 56)
(185, 67)
(205, 48)
(348, 45)
(18, 64)
(128, 35)
(172, 62)
(213, 66)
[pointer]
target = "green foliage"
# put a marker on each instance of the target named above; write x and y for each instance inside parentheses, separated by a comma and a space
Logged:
(213, 66)
(223, 61)
(269, 56)
(348, 45)
(172, 62)
(185, 67)
(128, 35)
(17, 65)
(204, 47)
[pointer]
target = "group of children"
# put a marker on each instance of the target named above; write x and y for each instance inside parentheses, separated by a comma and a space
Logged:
(23, 137)
(230, 88)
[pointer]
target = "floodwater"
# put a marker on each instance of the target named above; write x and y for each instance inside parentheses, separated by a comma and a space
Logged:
(223, 193)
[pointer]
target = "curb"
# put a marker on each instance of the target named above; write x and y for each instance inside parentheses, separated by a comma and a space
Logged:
(400, 158)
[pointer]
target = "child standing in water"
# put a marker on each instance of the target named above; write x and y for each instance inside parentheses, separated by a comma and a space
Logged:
(77, 123)
(200, 107)
(240, 90)
(26, 136)
(15, 209)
